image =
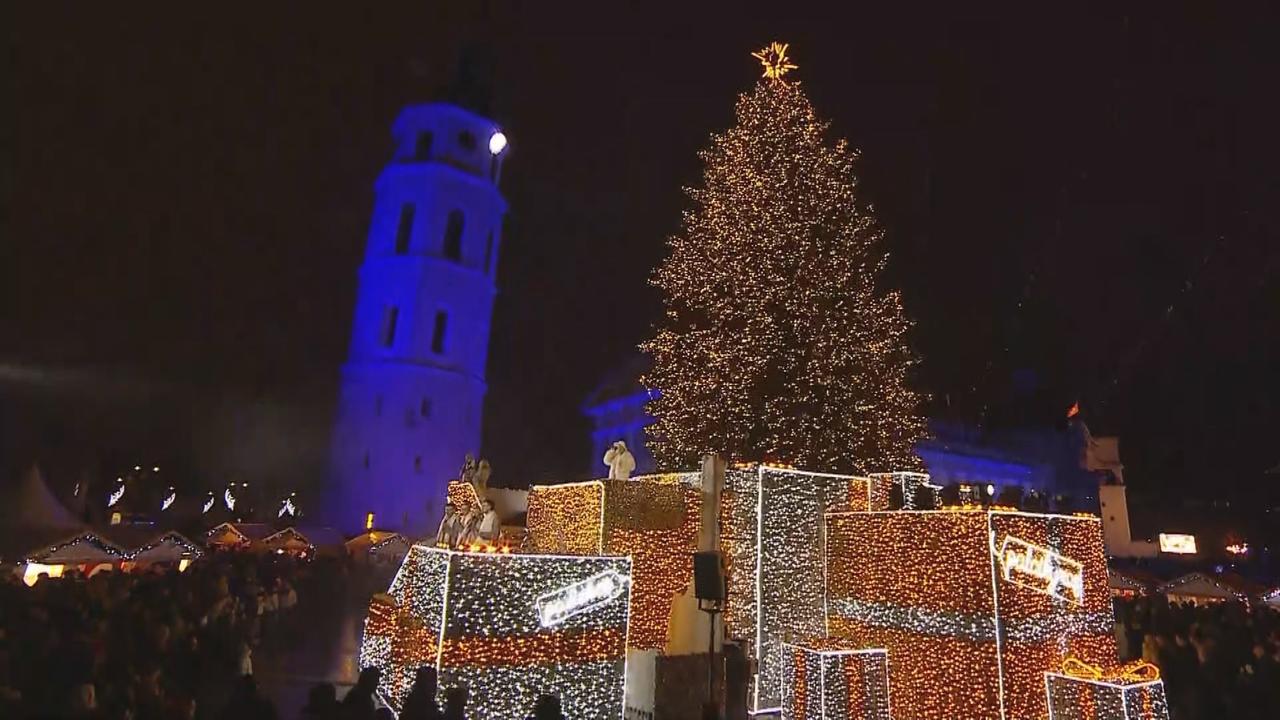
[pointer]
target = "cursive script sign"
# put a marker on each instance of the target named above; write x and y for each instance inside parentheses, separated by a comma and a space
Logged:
(559, 605)
(1041, 569)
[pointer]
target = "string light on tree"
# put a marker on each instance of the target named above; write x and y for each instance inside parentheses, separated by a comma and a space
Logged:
(777, 342)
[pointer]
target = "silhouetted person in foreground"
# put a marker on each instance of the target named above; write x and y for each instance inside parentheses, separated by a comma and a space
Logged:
(547, 707)
(421, 701)
(455, 703)
(358, 704)
(322, 702)
(247, 703)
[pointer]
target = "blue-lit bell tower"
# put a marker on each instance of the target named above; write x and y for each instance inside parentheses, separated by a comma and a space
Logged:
(413, 388)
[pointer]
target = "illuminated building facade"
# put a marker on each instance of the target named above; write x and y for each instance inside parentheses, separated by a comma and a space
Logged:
(412, 390)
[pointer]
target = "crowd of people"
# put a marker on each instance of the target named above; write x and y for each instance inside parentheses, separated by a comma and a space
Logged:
(162, 644)
(1217, 661)
(419, 704)
(148, 645)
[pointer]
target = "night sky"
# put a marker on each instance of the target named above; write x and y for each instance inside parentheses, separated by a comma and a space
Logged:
(1078, 206)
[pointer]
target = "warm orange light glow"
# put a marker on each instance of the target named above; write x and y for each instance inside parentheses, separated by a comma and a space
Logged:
(653, 520)
(774, 59)
(1177, 544)
(928, 586)
(368, 521)
(31, 575)
(1133, 672)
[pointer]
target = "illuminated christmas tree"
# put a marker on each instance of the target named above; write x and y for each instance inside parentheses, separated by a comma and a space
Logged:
(776, 342)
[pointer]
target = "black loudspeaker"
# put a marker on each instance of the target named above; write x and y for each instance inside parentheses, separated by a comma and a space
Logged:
(708, 576)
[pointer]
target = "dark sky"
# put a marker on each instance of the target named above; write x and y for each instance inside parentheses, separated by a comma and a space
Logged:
(1086, 203)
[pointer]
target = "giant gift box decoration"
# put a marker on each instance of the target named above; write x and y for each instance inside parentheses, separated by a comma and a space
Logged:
(509, 627)
(1085, 692)
(822, 680)
(771, 534)
(973, 606)
(653, 519)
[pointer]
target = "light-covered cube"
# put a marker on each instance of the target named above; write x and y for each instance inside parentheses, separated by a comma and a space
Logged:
(509, 627)
(824, 681)
(1077, 698)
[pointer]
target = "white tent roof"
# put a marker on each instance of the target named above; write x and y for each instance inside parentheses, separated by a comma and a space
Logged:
(83, 548)
(31, 517)
(1198, 584)
(31, 505)
(1117, 580)
(168, 547)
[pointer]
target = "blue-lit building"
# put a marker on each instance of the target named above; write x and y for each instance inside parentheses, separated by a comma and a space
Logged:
(1047, 460)
(616, 411)
(413, 388)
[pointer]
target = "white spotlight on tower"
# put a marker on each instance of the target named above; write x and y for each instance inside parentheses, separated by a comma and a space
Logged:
(497, 142)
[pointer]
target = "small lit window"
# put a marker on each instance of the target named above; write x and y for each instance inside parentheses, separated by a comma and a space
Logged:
(405, 229)
(422, 148)
(437, 333)
(453, 235)
(389, 326)
(466, 140)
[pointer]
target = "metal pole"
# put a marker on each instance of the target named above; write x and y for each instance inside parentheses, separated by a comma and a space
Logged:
(711, 657)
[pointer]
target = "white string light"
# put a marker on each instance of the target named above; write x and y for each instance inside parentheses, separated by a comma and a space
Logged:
(477, 617)
(850, 683)
(1068, 697)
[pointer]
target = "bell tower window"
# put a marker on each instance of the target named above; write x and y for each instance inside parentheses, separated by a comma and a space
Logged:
(405, 229)
(438, 331)
(389, 326)
(422, 147)
(453, 236)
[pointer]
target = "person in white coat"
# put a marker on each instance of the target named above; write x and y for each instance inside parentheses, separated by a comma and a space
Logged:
(620, 461)
(490, 526)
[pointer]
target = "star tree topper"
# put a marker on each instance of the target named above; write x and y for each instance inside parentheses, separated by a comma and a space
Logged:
(774, 59)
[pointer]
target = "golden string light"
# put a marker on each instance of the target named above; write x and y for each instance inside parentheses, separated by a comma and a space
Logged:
(1132, 672)
(776, 342)
(929, 587)
(653, 520)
